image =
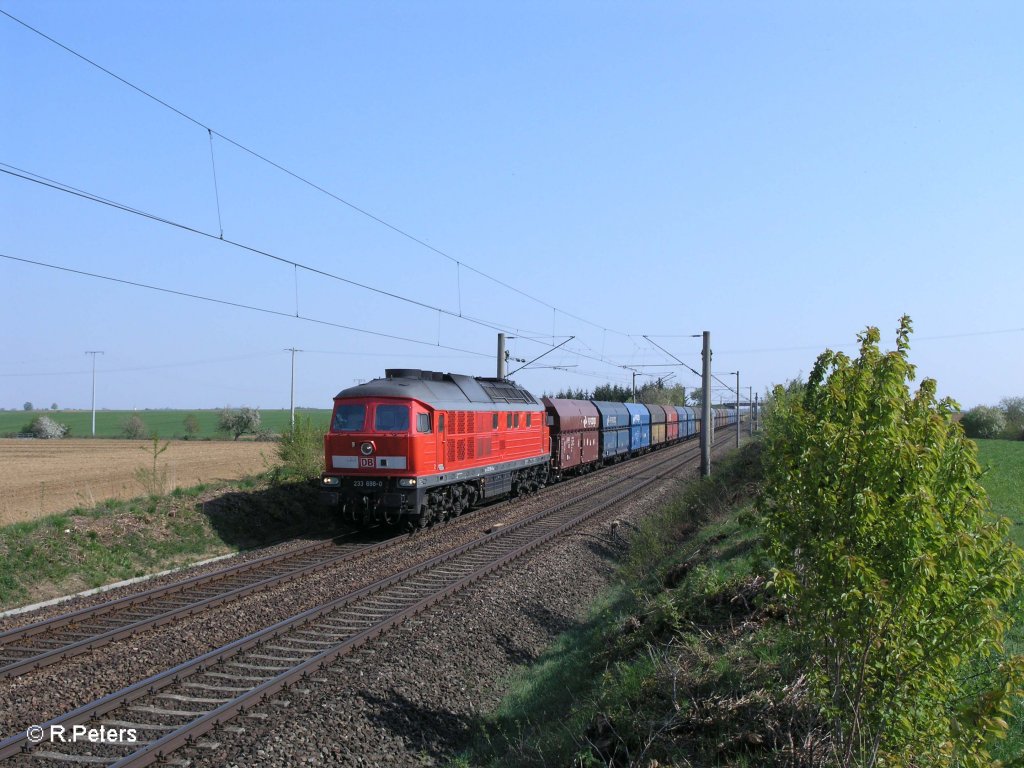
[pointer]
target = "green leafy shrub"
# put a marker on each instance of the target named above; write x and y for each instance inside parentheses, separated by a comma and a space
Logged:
(894, 569)
(301, 450)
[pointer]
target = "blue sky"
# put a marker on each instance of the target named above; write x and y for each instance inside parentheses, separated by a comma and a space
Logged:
(782, 175)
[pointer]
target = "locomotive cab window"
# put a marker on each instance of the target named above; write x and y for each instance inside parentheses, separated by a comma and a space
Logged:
(508, 421)
(516, 418)
(423, 422)
(349, 418)
(391, 418)
(440, 422)
(529, 419)
(495, 424)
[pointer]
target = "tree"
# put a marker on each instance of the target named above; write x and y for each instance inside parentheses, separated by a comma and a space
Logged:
(191, 426)
(27, 406)
(1013, 413)
(895, 573)
(45, 428)
(54, 407)
(133, 427)
(153, 478)
(244, 421)
(983, 422)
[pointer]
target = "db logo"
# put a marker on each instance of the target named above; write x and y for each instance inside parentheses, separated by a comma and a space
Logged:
(369, 462)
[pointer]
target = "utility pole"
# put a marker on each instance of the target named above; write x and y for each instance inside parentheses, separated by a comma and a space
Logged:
(94, 353)
(706, 427)
(634, 386)
(757, 409)
(293, 350)
(750, 409)
(501, 355)
(737, 409)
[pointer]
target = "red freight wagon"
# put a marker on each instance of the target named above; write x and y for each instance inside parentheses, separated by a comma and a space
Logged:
(419, 446)
(574, 432)
(671, 423)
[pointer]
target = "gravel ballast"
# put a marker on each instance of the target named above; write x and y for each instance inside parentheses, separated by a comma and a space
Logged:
(408, 698)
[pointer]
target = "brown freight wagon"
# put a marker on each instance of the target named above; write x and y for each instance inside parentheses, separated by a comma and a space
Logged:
(574, 434)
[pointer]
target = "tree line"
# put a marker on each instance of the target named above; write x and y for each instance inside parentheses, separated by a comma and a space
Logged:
(652, 392)
(1005, 420)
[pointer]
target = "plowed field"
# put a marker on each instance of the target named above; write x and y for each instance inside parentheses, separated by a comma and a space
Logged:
(42, 477)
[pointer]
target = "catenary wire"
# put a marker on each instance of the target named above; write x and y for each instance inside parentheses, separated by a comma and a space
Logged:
(211, 131)
(59, 186)
(238, 305)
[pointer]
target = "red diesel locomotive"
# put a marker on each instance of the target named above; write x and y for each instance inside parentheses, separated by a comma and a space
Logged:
(419, 446)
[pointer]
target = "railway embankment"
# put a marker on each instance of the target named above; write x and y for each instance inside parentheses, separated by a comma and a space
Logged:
(690, 659)
(91, 546)
(684, 660)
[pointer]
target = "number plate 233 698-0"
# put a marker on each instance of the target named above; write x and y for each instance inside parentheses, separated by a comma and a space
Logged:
(367, 483)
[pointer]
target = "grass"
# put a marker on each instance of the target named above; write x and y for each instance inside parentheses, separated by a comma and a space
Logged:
(166, 423)
(1003, 461)
(643, 679)
(686, 661)
(115, 540)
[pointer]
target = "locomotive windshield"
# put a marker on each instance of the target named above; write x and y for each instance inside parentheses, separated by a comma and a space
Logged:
(349, 418)
(392, 418)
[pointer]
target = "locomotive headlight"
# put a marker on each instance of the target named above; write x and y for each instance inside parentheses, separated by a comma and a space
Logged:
(366, 449)
(407, 482)
(331, 480)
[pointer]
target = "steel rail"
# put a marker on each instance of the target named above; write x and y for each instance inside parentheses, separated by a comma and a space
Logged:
(29, 630)
(160, 747)
(46, 657)
(17, 660)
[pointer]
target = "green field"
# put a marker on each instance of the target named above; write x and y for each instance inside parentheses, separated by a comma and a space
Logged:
(1004, 480)
(165, 423)
(1003, 461)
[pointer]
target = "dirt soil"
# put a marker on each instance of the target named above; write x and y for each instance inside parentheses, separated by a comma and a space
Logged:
(43, 477)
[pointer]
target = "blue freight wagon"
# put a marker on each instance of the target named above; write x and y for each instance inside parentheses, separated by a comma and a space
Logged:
(639, 426)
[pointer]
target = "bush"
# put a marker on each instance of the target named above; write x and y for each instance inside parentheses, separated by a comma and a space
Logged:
(133, 427)
(885, 550)
(301, 450)
(191, 424)
(983, 422)
(244, 421)
(1013, 413)
(46, 428)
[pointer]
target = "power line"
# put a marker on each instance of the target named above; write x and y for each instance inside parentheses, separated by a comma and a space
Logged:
(84, 194)
(59, 186)
(134, 369)
(74, 191)
(239, 305)
(211, 132)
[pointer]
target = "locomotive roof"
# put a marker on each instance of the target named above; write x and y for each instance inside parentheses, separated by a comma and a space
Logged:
(447, 390)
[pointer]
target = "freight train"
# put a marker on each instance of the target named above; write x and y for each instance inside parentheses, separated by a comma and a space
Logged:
(417, 447)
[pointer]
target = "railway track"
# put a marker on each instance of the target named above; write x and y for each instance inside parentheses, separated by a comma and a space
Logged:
(183, 704)
(36, 645)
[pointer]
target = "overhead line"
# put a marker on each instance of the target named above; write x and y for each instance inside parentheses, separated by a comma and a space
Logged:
(60, 186)
(211, 131)
(238, 305)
